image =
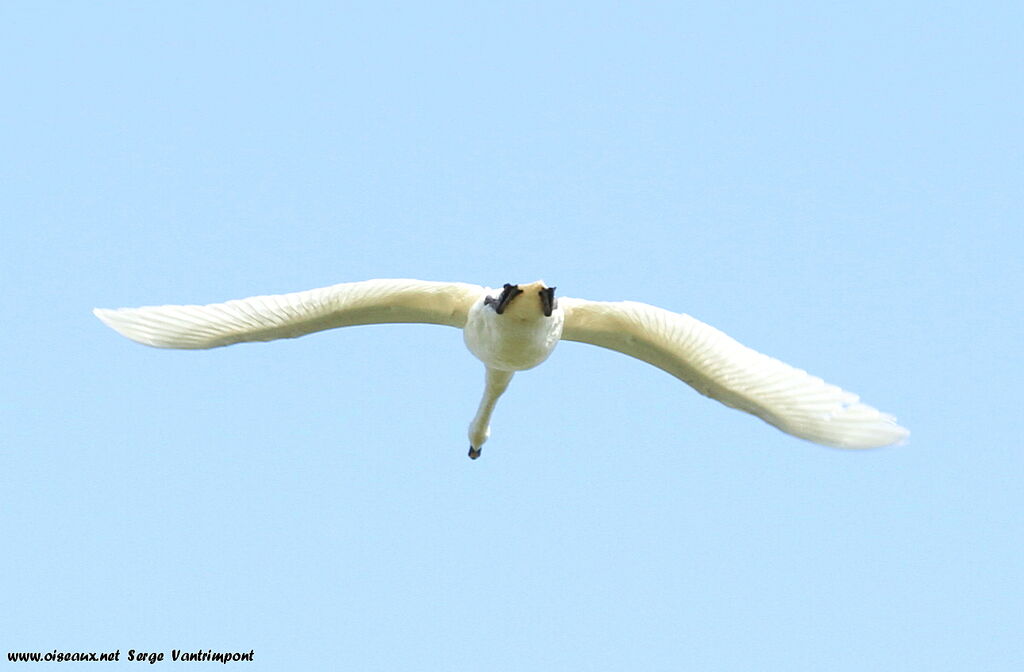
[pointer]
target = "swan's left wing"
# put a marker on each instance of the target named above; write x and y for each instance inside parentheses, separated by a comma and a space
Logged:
(721, 368)
(265, 318)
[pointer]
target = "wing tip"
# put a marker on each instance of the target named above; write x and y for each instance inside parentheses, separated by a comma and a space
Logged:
(856, 427)
(881, 432)
(106, 316)
(119, 319)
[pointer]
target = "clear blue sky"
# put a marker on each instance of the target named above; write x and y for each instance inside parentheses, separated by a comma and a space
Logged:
(837, 187)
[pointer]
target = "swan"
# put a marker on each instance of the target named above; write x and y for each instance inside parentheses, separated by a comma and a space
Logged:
(515, 328)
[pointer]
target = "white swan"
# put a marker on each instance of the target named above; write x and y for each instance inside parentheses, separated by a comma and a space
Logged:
(516, 328)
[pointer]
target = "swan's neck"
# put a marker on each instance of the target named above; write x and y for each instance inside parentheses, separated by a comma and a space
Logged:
(496, 383)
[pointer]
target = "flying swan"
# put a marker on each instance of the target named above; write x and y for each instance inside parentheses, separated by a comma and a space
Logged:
(516, 328)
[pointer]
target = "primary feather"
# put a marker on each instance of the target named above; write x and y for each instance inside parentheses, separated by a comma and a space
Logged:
(266, 318)
(719, 367)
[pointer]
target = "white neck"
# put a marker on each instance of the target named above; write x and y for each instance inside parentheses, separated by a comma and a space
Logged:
(496, 383)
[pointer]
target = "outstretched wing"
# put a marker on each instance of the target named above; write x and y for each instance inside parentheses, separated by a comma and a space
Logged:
(721, 368)
(265, 318)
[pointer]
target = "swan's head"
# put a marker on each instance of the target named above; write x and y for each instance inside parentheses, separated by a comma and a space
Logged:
(525, 302)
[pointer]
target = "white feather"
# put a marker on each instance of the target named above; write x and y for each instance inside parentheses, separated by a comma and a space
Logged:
(523, 336)
(266, 318)
(723, 369)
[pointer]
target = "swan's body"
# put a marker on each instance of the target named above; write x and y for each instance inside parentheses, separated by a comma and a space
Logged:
(517, 328)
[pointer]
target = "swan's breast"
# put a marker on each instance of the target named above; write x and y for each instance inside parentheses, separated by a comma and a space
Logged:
(511, 341)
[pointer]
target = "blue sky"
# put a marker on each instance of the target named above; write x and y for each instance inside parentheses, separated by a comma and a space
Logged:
(839, 187)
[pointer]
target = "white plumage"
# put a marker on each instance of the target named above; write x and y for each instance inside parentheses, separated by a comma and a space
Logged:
(516, 329)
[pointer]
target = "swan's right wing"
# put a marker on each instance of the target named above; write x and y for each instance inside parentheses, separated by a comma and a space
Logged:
(265, 318)
(721, 368)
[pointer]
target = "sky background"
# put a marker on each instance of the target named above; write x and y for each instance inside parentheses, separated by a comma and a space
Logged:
(839, 187)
